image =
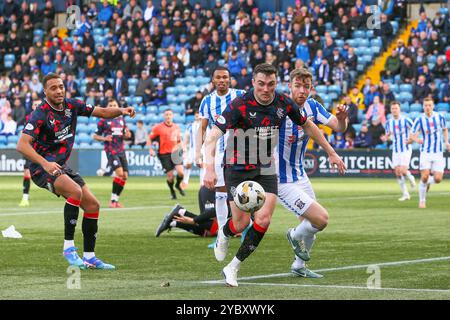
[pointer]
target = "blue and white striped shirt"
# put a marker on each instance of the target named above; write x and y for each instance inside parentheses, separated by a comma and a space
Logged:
(293, 142)
(192, 131)
(400, 130)
(213, 105)
(431, 130)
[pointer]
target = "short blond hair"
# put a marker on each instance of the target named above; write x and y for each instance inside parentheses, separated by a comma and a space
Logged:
(301, 73)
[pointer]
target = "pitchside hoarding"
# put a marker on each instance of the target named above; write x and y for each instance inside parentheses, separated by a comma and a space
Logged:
(360, 163)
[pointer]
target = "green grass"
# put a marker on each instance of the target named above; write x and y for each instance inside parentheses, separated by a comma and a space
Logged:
(367, 226)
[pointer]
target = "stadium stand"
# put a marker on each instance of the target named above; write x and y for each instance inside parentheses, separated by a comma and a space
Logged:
(171, 45)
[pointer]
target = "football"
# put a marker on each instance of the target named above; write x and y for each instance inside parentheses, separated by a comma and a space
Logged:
(249, 196)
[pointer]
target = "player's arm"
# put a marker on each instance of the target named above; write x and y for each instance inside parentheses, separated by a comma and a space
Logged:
(150, 139)
(447, 143)
(110, 113)
(200, 140)
(414, 137)
(339, 122)
(210, 177)
(314, 132)
(98, 135)
(25, 148)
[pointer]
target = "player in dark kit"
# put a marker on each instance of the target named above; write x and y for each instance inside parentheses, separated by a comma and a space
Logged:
(204, 224)
(112, 132)
(26, 167)
(252, 122)
(47, 141)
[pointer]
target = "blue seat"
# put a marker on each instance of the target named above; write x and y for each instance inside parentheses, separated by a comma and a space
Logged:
(140, 109)
(83, 128)
(414, 115)
(360, 67)
(359, 34)
(376, 42)
(443, 107)
(179, 119)
(13, 139)
(333, 95)
(3, 140)
(182, 90)
(200, 72)
(405, 107)
(189, 73)
(415, 107)
(321, 89)
(172, 90)
(329, 26)
(83, 138)
(98, 32)
(394, 88)
(182, 98)
(8, 64)
(334, 88)
(152, 109)
(137, 100)
(38, 32)
(369, 34)
(180, 81)
(171, 98)
(163, 108)
(405, 87)
(405, 97)
(131, 89)
(11, 145)
(84, 145)
(133, 81)
(96, 145)
(191, 81)
(333, 34)
(351, 42)
(363, 42)
(92, 127)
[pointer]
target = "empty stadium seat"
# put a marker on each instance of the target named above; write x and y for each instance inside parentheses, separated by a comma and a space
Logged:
(334, 88)
(133, 81)
(405, 87)
(414, 115)
(189, 73)
(443, 107)
(321, 89)
(405, 107)
(200, 72)
(359, 34)
(137, 100)
(3, 140)
(152, 109)
(13, 139)
(376, 42)
(415, 107)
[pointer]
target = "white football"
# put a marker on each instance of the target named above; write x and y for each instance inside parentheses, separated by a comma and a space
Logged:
(249, 196)
(100, 172)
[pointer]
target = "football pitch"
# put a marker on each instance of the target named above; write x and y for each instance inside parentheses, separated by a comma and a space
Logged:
(400, 251)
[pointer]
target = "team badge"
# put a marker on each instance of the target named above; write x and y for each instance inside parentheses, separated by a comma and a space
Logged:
(29, 126)
(68, 113)
(221, 120)
(300, 204)
(280, 113)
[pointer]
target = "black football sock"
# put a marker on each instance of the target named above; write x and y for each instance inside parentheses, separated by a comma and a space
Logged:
(190, 214)
(251, 241)
(90, 228)
(26, 185)
(170, 184)
(179, 180)
(228, 229)
(120, 185)
(195, 229)
(71, 210)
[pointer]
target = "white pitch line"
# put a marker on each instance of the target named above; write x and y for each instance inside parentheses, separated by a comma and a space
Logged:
(42, 212)
(384, 264)
(342, 287)
(377, 197)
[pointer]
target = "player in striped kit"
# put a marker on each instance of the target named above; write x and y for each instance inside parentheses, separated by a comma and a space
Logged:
(211, 108)
(190, 140)
(431, 126)
(399, 128)
(294, 188)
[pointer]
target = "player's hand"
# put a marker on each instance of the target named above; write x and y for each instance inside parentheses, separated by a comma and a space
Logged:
(199, 160)
(341, 112)
(336, 162)
(108, 138)
(210, 179)
(53, 168)
(184, 219)
(129, 111)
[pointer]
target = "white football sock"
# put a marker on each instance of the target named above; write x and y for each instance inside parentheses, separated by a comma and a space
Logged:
(187, 174)
(298, 263)
(114, 197)
(431, 180)
(401, 182)
(221, 208)
(304, 229)
(68, 244)
(235, 263)
(88, 255)
(422, 191)
(181, 212)
(409, 176)
(173, 224)
(25, 196)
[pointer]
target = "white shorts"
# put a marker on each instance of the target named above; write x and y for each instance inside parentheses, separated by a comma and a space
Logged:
(432, 161)
(190, 157)
(297, 196)
(401, 158)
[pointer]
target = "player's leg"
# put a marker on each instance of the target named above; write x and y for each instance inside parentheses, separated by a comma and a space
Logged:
(117, 186)
(91, 207)
(252, 238)
(187, 174)
(425, 169)
(26, 188)
(171, 183)
(69, 189)
(400, 172)
(405, 162)
(180, 176)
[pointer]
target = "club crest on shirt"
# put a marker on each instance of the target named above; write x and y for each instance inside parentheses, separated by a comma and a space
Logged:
(68, 113)
(280, 113)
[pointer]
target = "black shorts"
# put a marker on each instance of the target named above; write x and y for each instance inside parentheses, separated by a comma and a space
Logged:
(117, 161)
(26, 164)
(44, 180)
(170, 160)
(233, 178)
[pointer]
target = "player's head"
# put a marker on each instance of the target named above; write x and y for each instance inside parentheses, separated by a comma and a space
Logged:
(300, 84)
(428, 106)
(112, 103)
(221, 79)
(264, 82)
(54, 89)
(395, 109)
(168, 116)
